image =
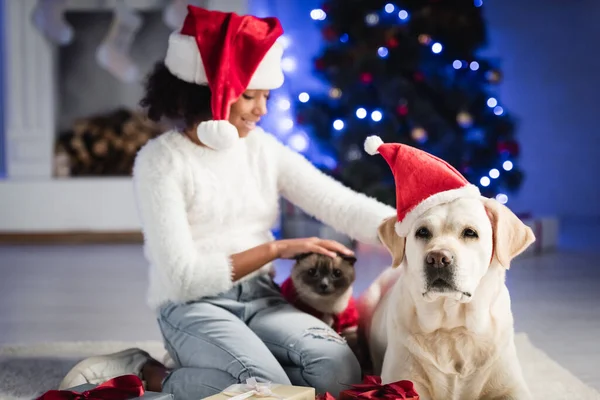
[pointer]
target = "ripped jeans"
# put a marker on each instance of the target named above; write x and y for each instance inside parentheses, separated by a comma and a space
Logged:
(251, 331)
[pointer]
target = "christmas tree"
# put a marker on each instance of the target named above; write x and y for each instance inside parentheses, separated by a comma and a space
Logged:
(410, 72)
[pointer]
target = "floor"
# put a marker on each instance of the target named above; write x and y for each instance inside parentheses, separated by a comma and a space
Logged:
(67, 293)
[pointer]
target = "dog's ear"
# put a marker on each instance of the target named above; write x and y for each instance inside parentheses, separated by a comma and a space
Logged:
(391, 240)
(511, 235)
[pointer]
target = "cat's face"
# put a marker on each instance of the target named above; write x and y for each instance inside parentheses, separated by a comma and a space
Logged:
(325, 276)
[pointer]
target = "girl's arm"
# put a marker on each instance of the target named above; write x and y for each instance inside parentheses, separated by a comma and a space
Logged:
(321, 196)
(159, 190)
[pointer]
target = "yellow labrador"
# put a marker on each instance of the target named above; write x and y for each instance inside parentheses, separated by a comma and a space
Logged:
(443, 318)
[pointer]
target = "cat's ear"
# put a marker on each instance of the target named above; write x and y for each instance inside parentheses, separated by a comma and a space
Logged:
(349, 259)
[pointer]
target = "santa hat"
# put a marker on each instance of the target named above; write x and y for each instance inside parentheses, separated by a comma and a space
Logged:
(422, 181)
(229, 53)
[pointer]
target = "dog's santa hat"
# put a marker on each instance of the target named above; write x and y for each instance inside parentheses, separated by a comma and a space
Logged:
(422, 181)
(229, 53)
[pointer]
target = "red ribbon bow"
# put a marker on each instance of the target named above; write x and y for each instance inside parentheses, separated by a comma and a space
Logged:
(120, 388)
(371, 388)
(325, 396)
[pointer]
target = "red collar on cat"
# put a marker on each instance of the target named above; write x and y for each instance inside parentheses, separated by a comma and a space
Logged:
(347, 319)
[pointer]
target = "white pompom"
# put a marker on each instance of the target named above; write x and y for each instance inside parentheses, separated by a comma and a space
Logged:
(218, 135)
(372, 144)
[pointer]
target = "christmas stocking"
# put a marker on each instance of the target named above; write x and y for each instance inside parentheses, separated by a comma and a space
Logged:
(113, 54)
(48, 18)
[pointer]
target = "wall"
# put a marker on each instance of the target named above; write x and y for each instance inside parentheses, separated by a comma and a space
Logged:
(552, 78)
(2, 122)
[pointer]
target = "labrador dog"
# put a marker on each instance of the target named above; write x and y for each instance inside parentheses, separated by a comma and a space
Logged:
(442, 319)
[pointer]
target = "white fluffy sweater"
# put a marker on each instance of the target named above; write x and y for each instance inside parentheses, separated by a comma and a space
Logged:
(199, 206)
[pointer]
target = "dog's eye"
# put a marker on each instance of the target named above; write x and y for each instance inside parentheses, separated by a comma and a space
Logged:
(470, 233)
(312, 272)
(337, 273)
(423, 233)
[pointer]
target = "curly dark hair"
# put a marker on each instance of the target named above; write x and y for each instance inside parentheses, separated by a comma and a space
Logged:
(170, 97)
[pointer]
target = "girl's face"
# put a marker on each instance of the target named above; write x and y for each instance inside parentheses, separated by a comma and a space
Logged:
(248, 110)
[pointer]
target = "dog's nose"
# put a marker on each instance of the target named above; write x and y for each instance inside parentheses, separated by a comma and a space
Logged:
(439, 258)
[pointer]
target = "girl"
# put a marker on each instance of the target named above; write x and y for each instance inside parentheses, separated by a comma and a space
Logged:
(208, 195)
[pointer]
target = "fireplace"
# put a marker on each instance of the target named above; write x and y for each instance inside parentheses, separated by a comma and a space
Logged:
(54, 93)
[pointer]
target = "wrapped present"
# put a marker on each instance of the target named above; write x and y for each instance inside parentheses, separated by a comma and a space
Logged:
(325, 396)
(127, 387)
(254, 390)
(546, 230)
(372, 388)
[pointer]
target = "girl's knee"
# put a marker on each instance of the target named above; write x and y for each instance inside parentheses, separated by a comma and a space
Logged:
(265, 371)
(331, 366)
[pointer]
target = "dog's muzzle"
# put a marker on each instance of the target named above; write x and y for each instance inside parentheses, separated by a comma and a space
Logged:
(439, 271)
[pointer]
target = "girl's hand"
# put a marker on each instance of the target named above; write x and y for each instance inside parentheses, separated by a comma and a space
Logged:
(290, 248)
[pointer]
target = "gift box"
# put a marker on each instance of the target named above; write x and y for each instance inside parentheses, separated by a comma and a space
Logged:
(255, 390)
(127, 387)
(546, 231)
(372, 388)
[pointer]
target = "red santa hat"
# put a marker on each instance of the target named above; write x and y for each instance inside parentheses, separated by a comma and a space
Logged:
(422, 181)
(229, 53)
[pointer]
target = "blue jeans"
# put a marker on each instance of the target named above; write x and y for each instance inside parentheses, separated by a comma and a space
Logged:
(251, 331)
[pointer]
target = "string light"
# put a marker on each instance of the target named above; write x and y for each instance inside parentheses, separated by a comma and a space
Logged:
(284, 104)
(383, 52)
(478, 3)
(344, 38)
(457, 64)
(474, 66)
(298, 141)
(318, 15)
(354, 154)
(502, 198)
(498, 110)
(376, 116)
(485, 181)
(492, 102)
(303, 97)
(403, 15)
(361, 113)
(288, 64)
(284, 41)
(338, 124)
(494, 173)
(286, 124)
(389, 8)
(329, 162)
(372, 19)
(436, 48)
(507, 165)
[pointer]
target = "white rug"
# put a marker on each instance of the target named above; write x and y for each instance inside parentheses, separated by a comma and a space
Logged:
(27, 371)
